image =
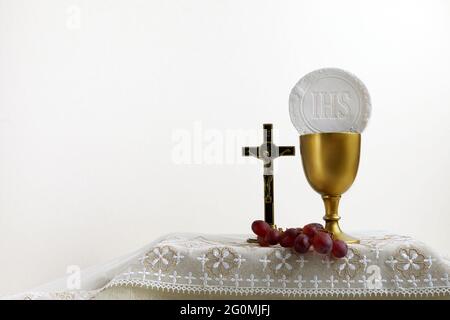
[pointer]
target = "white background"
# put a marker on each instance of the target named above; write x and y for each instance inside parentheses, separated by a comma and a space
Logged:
(93, 93)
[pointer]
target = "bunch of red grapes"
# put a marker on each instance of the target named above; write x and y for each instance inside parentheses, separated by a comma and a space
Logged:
(301, 239)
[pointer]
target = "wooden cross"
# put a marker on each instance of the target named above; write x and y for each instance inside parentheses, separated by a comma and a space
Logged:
(268, 152)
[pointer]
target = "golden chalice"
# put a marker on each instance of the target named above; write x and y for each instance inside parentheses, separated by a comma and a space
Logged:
(330, 161)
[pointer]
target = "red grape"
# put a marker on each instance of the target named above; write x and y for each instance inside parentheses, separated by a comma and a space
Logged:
(293, 232)
(287, 239)
(272, 237)
(322, 242)
(318, 226)
(262, 242)
(260, 228)
(311, 229)
(302, 243)
(340, 249)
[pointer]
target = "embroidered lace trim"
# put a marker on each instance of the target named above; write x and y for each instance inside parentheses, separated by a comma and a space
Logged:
(309, 292)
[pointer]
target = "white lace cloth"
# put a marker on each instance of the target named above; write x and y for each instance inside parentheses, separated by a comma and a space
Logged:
(188, 264)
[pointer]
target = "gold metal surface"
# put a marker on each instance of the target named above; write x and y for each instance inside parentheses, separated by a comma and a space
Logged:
(330, 162)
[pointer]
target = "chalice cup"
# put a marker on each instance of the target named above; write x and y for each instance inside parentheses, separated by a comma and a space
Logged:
(330, 162)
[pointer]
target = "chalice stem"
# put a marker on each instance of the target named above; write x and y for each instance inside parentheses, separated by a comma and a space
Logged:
(331, 213)
(332, 218)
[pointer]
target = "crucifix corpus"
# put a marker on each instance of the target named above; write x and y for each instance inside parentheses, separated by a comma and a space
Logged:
(268, 152)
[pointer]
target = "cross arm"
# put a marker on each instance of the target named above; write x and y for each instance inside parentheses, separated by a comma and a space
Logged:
(286, 151)
(250, 151)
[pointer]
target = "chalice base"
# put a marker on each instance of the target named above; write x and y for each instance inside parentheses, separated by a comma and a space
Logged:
(333, 227)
